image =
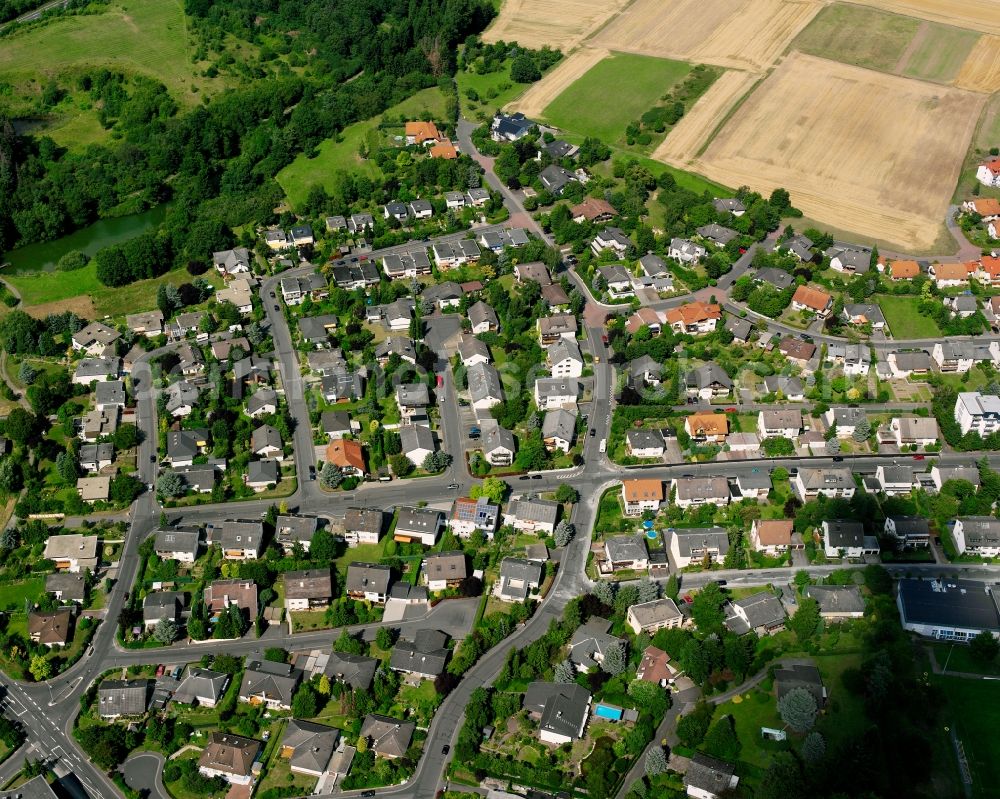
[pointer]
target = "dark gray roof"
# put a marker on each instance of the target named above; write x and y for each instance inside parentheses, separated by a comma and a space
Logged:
(418, 519)
(122, 697)
(911, 525)
(837, 598)
(73, 587)
(356, 671)
(762, 610)
(273, 681)
(426, 654)
(387, 735)
(981, 531)
(260, 472)
(290, 527)
(162, 605)
(527, 572)
(202, 686)
(740, 328)
(717, 233)
(848, 417)
(644, 438)
(564, 707)
(842, 534)
(169, 540)
(590, 640)
(536, 510)
(626, 547)
(312, 744)
(778, 278)
(368, 578)
(800, 675)
(707, 375)
(35, 788)
(691, 538)
(309, 584)
(366, 520)
(949, 603)
(240, 534)
(709, 775)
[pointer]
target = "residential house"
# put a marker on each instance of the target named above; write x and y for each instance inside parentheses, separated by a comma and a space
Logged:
(617, 279)
(386, 736)
(942, 474)
(593, 209)
(262, 403)
(94, 338)
(779, 422)
(90, 369)
(698, 545)
(645, 371)
(72, 552)
(846, 420)
(837, 602)
(561, 710)
(761, 613)
(231, 757)
(693, 491)
(419, 524)
(612, 238)
(796, 350)
(729, 205)
(708, 381)
(559, 429)
(909, 531)
(644, 443)
(472, 351)
(655, 667)
(179, 544)
(239, 293)
(291, 529)
(800, 246)
(157, 605)
(754, 484)
(906, 364)
(50, 627)
(444, 570)
(772, 537)
(784, 387)
(518, 579)
(498, 445)
(309, 589)
(645, 317)
(485, 389)
(813, 300)
(626, 552)
(640, 495)
(118, 698)
(977, 412)
(694, 317)
(337, 424)
(354, 671)
(845, 539)
(308, 746)
(510, 127)
(269, 683)
(553, 392)
(709, 778)
(977, 535)
(239, 539)
(221, 594)
(363, 526)
(412, 399)
(422, 133)
(551, 329)
(914, 430)
(536, 516)
(649, 617)
(368, 581)
(948, 275)
(418, 442)
(590, 643)
(203, 687)
(687, 252)
(850, 259)
(483, 318)
(834, 483)
(265, 442)
(94, 457)
(740, 328)
(712, 427)
(988, 173)
(533, 270)
(469, 515)
(66, 587)
(555, 178)
(347, 455)
(959, 356)
(778, 278)
(717, 234)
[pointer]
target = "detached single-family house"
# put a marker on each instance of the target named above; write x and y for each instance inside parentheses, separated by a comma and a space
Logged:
(693, 491)
(627, 552)
(977, 535)
(444, 570)
(640, 495)
(536, 516)
(649, 617)
(518, 578)
(309, 589)
(552, 393)
(909, 531)
(697, 545)
(708, 381)
(813, 300)
(612, 238)
(118, 698)
(386, 736)
(418, 524)
(845, 539)
(232, 757)
(709, 778)
(469, 515)
(834, 483)
(694, 317)
(644, 443)
(418, 442)
(762, 613)
(687, 252)
(559, 430)
(772, 537)
(368, 581)
(562, 710)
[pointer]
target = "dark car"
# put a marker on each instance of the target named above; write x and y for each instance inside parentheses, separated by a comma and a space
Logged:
(368, 793)
(593, 432)
(272, 295)
(277, 308)
(838, 459)
(536, 477)
(524, 477)
(312, 472)
(445, 749)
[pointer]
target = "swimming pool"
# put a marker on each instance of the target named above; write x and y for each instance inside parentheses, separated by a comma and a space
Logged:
(652, 535)
(608, 712)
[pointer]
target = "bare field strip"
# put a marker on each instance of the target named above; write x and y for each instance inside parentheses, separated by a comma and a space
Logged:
(534, 101)
(981, 70)
(858, 149)
(558, 23)
(978, 15)
(683, 142)
(750, 35)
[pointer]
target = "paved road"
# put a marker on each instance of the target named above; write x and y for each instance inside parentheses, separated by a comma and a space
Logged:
(144, 773)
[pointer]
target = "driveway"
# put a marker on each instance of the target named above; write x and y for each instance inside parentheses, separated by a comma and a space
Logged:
(143, 773)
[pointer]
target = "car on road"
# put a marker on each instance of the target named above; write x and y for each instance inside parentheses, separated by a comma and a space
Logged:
(524, 477)
(730, 410)
(272, 295)
(838, 459)
(312, 472)
(918, 457)
(453, 486)
(807, 337)
(604, 340)
(277, 308)
(593, 432)
(445, 749)
(367, 793)
(536, 477)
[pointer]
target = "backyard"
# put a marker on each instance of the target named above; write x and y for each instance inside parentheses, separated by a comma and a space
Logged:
(904, 318)
(974, 711)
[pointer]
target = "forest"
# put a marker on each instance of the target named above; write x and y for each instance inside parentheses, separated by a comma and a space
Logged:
(217, 161)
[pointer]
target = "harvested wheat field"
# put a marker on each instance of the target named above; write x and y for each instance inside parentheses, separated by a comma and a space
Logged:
(981, 70)
(747, 34)
(557, 23)
(978, 15)
(857, 149)
(543, 92)
(689, 135)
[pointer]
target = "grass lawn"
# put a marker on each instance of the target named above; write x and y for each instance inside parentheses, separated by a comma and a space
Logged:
(495, 90)
(145, 36)
(857, 35)
(584, 108)
(904, 319)
(941, 53)
(46, 288)
(341, 152)
(750, 712)
(363, 553)
(279, 775)
(959, 658)
(974, 712)
(12, 595)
